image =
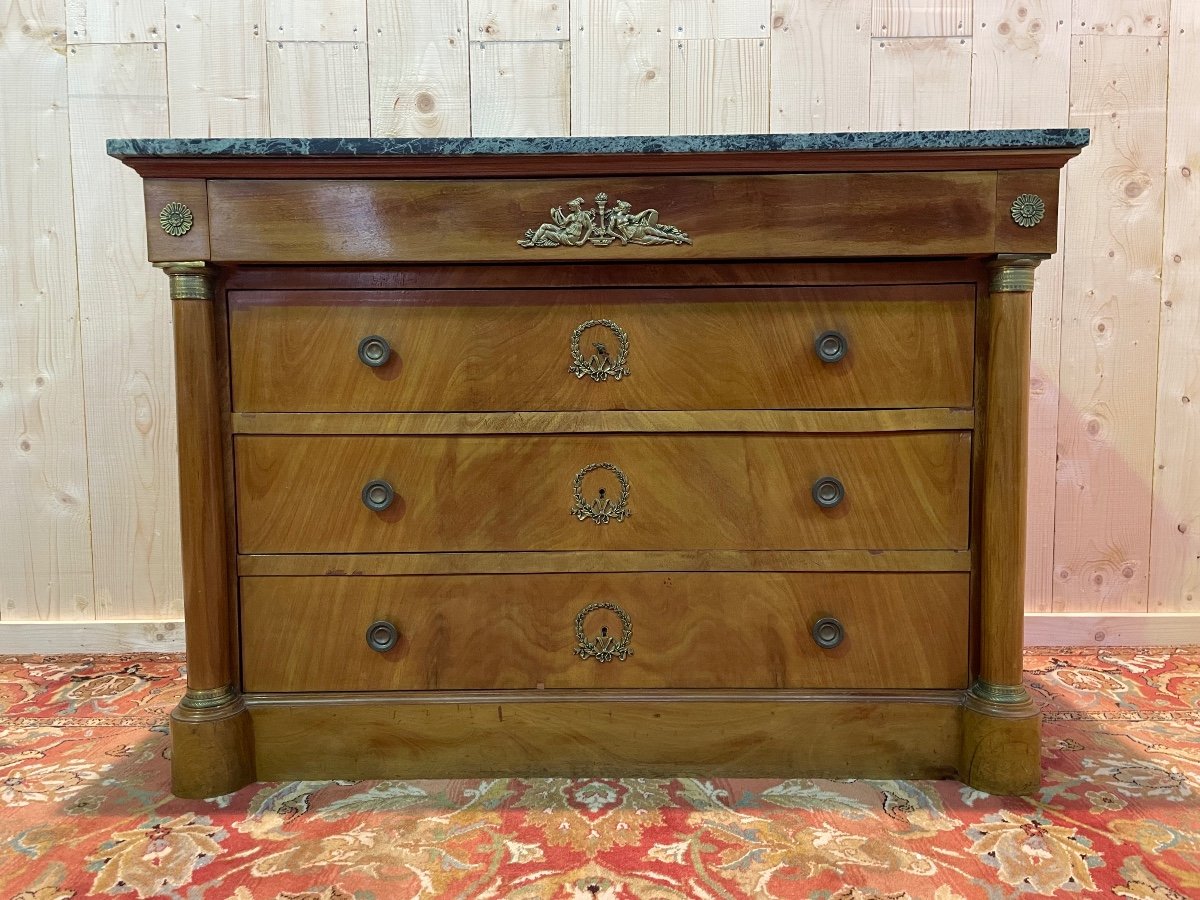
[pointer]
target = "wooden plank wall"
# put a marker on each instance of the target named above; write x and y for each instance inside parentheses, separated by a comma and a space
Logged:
(88, 525)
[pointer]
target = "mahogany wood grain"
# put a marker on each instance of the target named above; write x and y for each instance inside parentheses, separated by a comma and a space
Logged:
(715, 491)
(206, 600)
(1014, 238)
(978, 448)
(610, 421)
(689, 630)
(660, 737)
(598, 274)
(722, 426)
(224, 394)
(1002, 544)
(714, 348)
(904, 214)
(165, 247)
(211, 756)
(607, 561)
(1001, 753)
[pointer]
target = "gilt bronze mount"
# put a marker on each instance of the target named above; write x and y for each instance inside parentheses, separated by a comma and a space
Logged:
(604, 647)
(1028, 209)
(603, 509)
(602, 226)
(600, 366)
(176, 219)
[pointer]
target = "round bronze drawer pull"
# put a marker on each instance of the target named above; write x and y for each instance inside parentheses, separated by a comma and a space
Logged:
(374, 351)
(831, 346)
(378, 495)
(382, 636)
(828, 632)
(828, 492)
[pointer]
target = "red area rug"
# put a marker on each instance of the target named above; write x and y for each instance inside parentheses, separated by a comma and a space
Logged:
(85, 811)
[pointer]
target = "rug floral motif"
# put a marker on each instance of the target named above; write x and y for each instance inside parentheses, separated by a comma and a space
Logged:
(85, 811)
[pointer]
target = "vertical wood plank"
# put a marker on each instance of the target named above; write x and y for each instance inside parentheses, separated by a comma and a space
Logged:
(1042, 454)
(1143, 17)
(120, 90)
(520, 89)
(519, 20)
(720, 87)
(1175, 523)
(1110, 325)
(217, 72)
(1021, 64)
(419, 69)
(107, 22)
(316, 20)
(820, 65)
(720, 19)
(920, 83)
(920, 18)
(620, 67)
(45, 542)
(318, 90)
(1020, 78)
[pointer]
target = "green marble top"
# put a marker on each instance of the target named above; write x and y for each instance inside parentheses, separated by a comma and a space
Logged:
(1019, 139)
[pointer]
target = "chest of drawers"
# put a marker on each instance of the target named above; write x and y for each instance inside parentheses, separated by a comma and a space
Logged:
(630, 456)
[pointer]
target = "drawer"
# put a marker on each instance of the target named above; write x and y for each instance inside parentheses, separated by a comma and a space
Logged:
(564, 492)
(685, 630)
(475, 219)
(673, 348)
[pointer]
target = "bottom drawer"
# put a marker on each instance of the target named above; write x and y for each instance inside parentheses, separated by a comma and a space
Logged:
(680, 630)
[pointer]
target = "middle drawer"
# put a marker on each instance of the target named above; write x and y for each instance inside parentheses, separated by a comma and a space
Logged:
(348, 494)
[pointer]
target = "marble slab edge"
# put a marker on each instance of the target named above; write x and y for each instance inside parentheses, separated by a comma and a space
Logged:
(282, 147)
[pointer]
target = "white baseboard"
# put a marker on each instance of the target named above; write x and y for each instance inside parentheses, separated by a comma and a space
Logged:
(129, 636)
(1118, 630)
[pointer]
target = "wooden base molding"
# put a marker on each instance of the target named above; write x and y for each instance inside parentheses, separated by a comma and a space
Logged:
(493, 737)
(938, 734)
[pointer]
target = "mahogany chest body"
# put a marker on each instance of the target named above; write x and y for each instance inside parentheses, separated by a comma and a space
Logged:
(563, 459)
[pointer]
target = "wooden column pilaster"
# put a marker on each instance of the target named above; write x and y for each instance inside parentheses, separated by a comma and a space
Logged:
(1002, 726)
(211, 717)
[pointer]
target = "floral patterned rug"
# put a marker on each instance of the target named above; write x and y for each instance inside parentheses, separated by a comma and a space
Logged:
(85, 811)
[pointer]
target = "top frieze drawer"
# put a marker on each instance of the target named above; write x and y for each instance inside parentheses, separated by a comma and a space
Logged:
(686, 217)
